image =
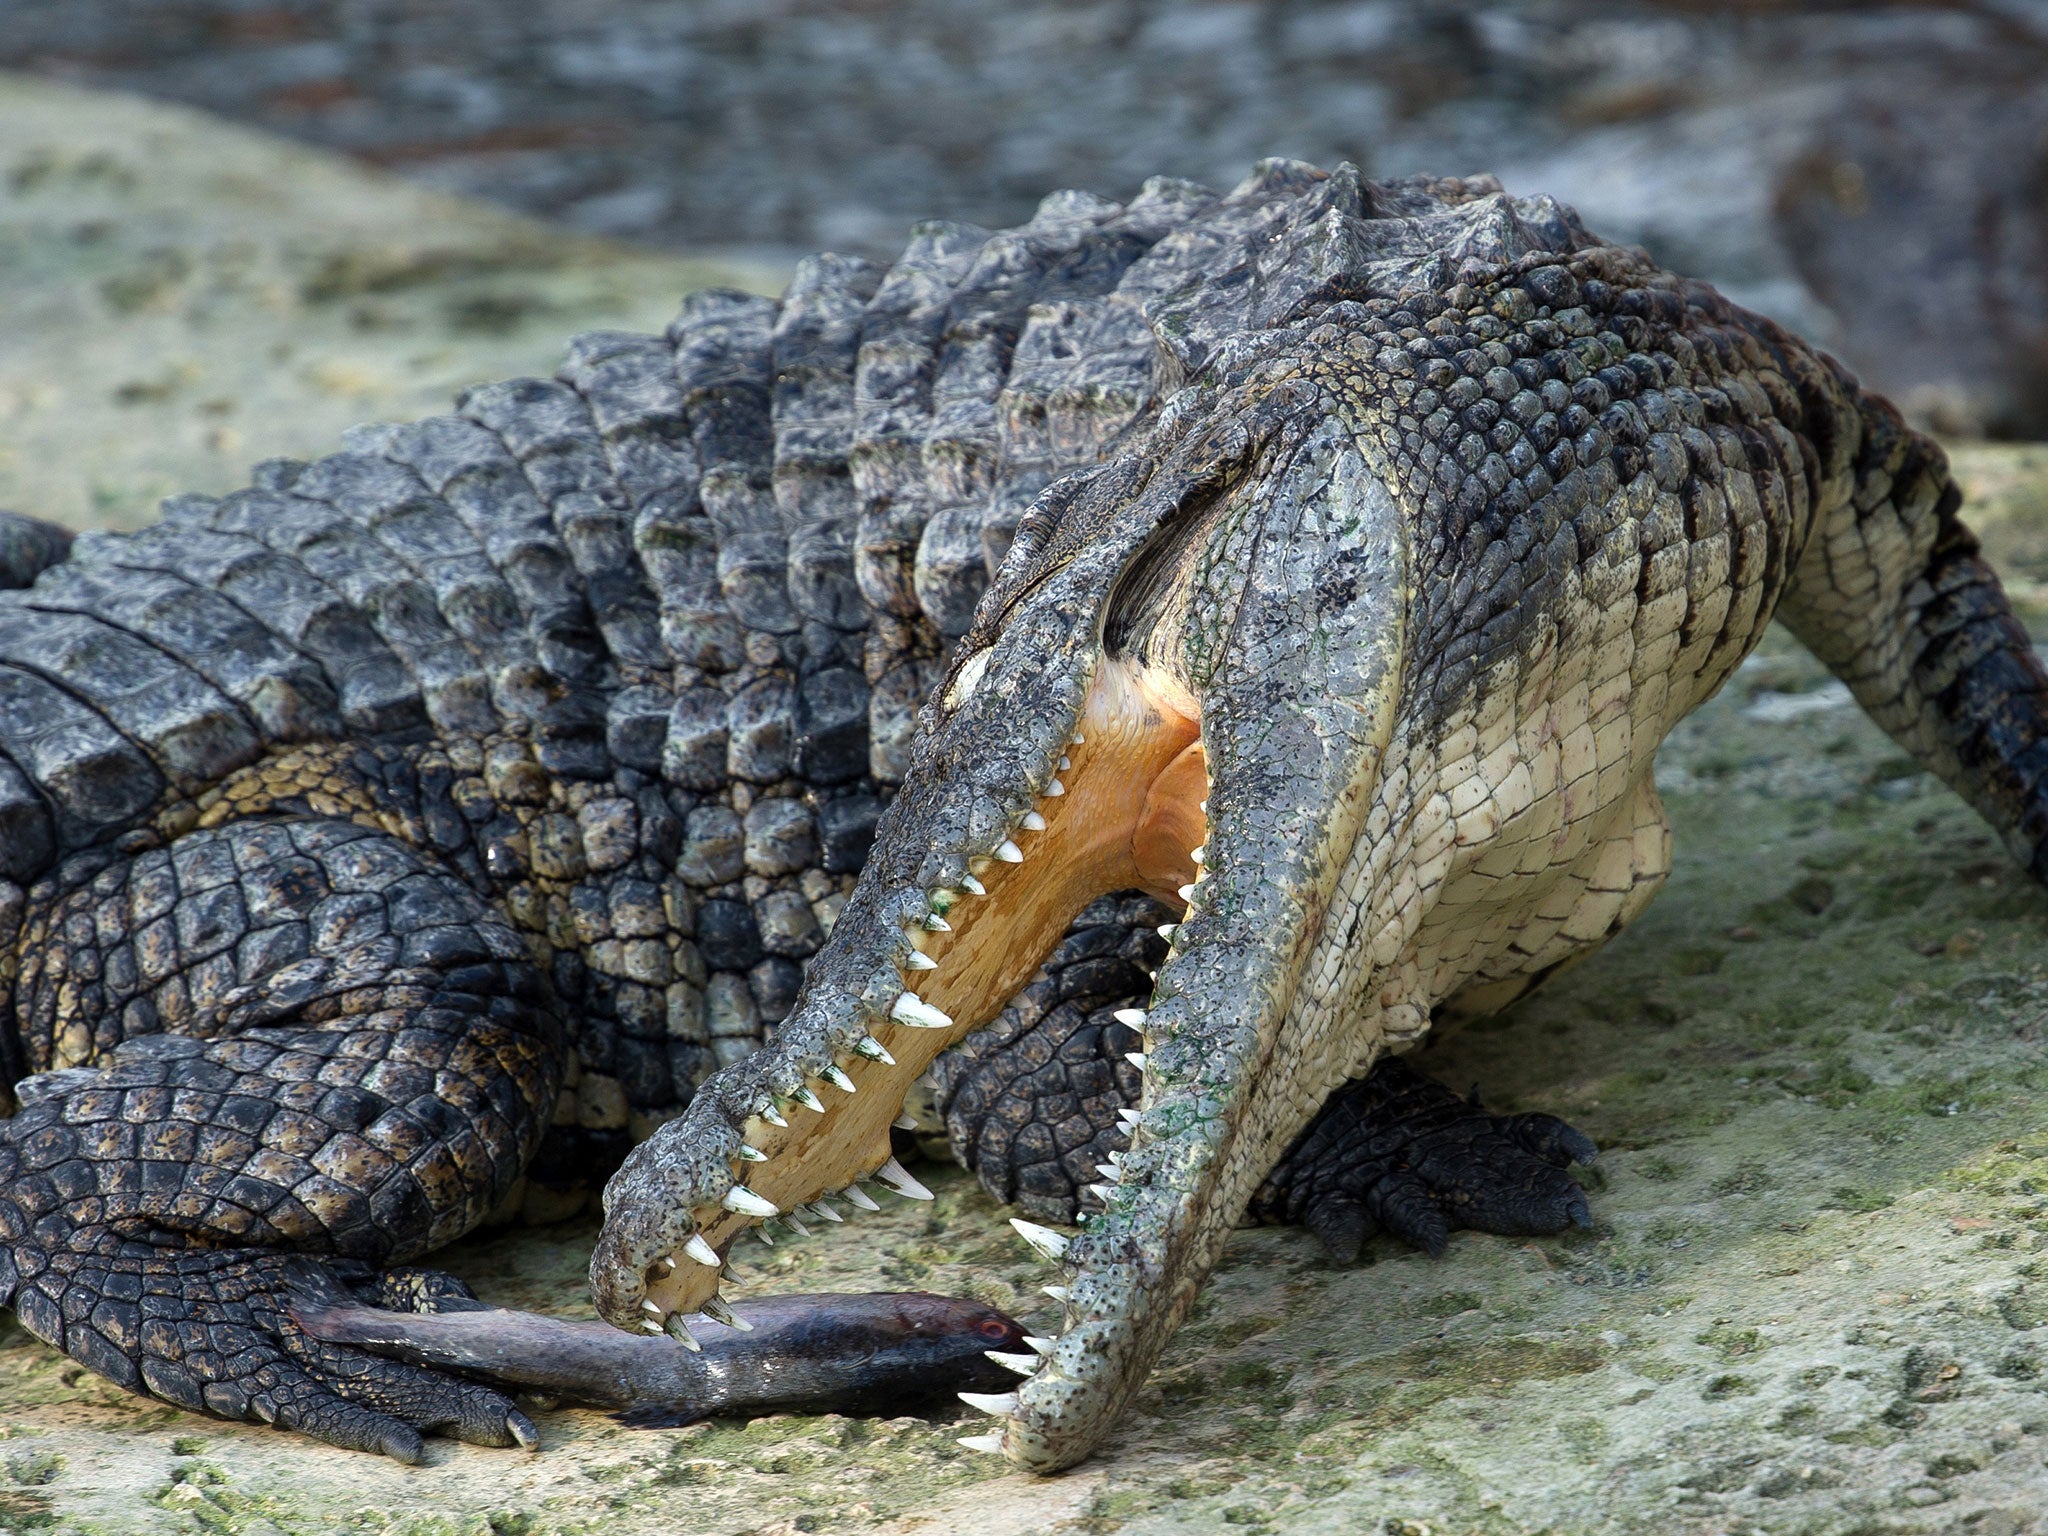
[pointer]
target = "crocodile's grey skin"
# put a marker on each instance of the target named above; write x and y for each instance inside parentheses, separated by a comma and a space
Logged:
(396, 840)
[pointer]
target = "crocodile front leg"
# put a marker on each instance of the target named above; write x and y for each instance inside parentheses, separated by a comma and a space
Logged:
(266, 1042)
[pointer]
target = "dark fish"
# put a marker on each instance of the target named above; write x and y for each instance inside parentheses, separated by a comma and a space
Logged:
(882, 1352)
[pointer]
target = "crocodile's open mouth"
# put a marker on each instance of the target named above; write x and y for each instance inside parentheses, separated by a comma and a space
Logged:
(1121, 808)
(1178, 682)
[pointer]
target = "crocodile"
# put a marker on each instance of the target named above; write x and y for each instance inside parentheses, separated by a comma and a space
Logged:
(1105, 689)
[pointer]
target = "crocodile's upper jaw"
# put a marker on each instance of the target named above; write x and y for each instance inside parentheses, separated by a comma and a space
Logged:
(1191, 696)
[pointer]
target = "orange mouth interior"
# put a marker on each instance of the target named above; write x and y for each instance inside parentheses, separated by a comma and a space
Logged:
(1135, 780)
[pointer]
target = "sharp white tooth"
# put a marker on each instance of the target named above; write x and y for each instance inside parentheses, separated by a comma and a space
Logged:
(745, 1202)
(653, 1308)
(1041, 1346)
(858, 1198)
(837, 1077)
(1135, 1017)
(983, 1442)
(668, 1263)
(1187, 893)
(1023, 1365)
(1009, 852)
(824, 1212)
(773, 1116)
(1107, 1170)
(809, 1100)
(905, 1122)
(969, 883)
(1166, 930)
(674, 1326)
(892, 1174)
(918, 1014)
(1056, 1292)
(1033, 822)
(1101, 1192)
(790, 1221)
(1044, 1239)
(1136, 1059)
(1065, 765)
(874, 1050)
(732, 1274)
(937, 924)
(719, 1312)
(752, 1154)
(998, 1403)
(767, 1237)
(1054, 789)
(1080, 740)
(701, 1251)
(651, 1326)
(918, 960)
(1203, 807)
(1197, 855)
(1129, 1117)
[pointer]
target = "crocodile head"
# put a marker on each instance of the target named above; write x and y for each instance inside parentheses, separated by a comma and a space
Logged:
(1183, 678)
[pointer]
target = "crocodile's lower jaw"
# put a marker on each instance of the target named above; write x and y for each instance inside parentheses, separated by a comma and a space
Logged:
(1125, 811)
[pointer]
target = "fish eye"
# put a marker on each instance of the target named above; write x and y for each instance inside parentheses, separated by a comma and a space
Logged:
(993, 1328)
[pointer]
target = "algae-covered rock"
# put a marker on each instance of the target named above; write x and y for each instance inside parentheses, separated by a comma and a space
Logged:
(179, 297)
(1816, 1297)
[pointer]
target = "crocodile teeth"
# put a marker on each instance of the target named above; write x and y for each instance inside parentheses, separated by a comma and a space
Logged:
(653, 1308)
(1198, 855)
(1136, 1059)
(874, 1050)
(719, 1312)
(982, 1442)
(674, 1326)
(1167, 930)
(1056, 1292)
(918, 1014)
(918, 960)
(701, 1251)
(1129, 1116)
(790, 1221)
(743, 1201)
(838, 1079)
(809, 1100)
(1187, 893)
(892, 1174)
(767, 1237)
(1135, 1017)
(969, 883)
(1107, 1170)
(1101, 1192)
(1044, 1239)
(937, 924)
(998, 1403)
(752, 1154)
(1065, 764)
(858, 1198)
(649, 1325)
(773, 1116)
(1041, 1346)
(1054, 789)
(1033, 822)
(824, 1212)
(1009, 852)
(1080, 740)
(668, 1263)
(905, 1122)
(1023, 1365)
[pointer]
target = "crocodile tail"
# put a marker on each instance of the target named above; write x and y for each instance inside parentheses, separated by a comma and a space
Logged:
(28, 547)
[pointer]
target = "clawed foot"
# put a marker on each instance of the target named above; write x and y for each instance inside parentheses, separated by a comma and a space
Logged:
(1397, 1152)
(218, 1332)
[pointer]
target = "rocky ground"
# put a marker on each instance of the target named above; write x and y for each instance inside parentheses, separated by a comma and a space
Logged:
(1816, 1297)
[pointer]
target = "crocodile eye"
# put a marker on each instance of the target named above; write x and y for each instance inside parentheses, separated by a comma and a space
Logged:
(967, 680)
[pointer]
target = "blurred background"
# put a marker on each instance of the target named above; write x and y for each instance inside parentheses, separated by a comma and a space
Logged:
(1874, 175)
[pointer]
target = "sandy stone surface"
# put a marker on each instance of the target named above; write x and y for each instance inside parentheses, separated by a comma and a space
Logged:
(1816, 1298)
